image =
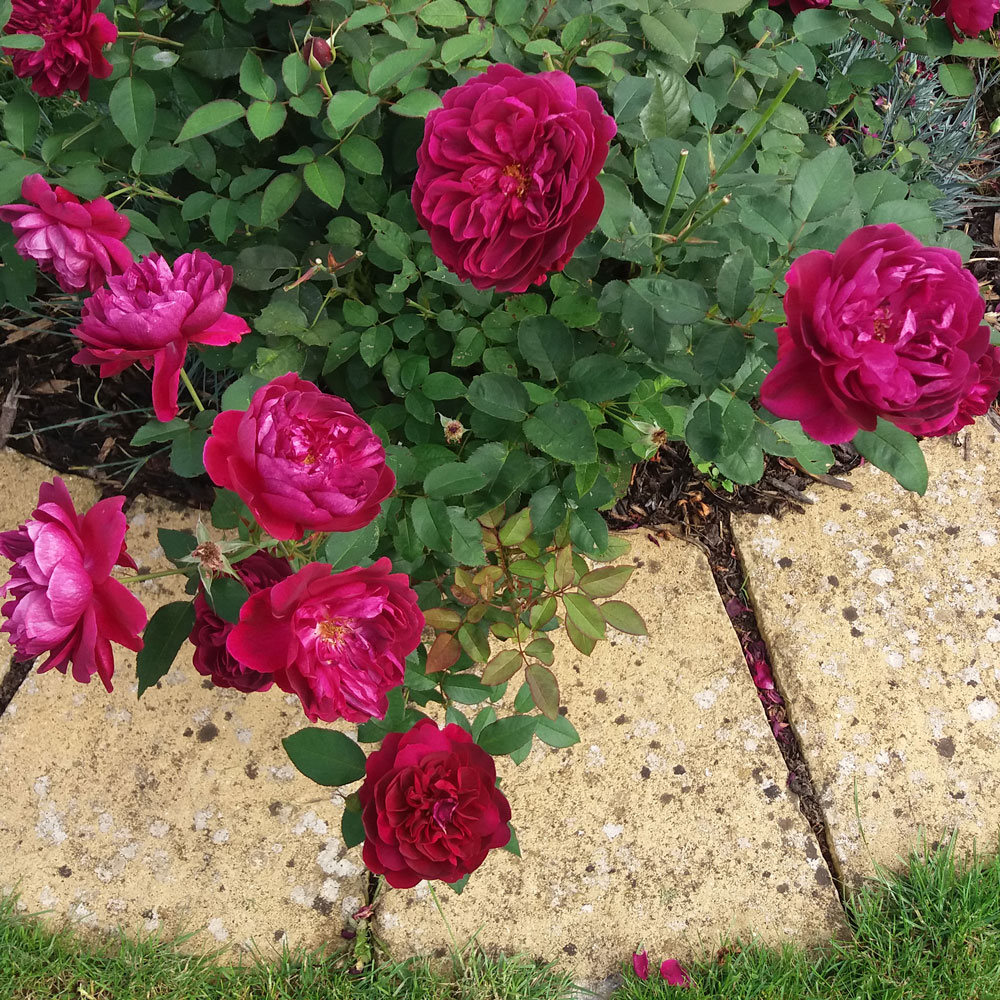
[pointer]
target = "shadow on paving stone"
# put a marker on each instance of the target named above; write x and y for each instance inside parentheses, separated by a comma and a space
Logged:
(881, 611)
(177, 812)
(668, 824)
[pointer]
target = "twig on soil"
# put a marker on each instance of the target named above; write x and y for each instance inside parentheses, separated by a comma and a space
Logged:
(9, 411)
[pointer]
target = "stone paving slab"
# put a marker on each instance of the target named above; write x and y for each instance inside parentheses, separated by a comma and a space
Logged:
(881, 610)
(177, 812)
(669, 823)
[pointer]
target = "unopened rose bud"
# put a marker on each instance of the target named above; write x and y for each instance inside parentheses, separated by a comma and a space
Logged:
(318, 53)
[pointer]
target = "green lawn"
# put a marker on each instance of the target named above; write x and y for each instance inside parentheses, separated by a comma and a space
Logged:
(930, 933)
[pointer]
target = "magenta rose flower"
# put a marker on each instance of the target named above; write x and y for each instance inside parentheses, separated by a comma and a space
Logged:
(151, 313)
(339, 641)
(210, 632)
(81, 244)
(65, 603)
(430, 806)
(74, 37)
(971, 17)
(300, 459)
(506, 180)
(884, 327)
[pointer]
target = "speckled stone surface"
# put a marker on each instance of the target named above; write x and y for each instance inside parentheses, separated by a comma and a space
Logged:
(882, 613)
(177, 812)
(669, 823)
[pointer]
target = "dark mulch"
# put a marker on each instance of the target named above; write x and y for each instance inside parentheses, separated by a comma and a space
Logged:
(984, 228)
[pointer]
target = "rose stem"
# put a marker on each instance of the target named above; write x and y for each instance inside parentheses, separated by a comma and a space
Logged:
(190, 388)
(451, 933)
(708, 215)
(674, 188)
(150, 38)
(149, 576)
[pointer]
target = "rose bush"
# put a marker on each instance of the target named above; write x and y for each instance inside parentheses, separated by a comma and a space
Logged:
(300, 459)
(65, 605)
(80, 243)
(882, 327)
(506, 181)
(431, 808)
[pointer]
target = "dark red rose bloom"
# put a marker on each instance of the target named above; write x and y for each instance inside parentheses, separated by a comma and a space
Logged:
(74, 38)
(79, 242)
(883, 327)
(210, 632)
(337, 640)
(430, 806)
(797, 6)
(971, 17)
(506, 180)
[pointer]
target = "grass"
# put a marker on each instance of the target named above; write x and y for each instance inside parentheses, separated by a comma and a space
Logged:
(931, 932)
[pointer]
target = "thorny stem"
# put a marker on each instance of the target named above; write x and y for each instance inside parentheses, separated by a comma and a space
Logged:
(674, 188)
(703, 219)
(190, 388)
(150, 38)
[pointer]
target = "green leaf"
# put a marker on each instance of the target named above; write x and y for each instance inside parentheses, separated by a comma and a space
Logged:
(956, 79)
(584, 614)
(345, 549)
(394, 67)
(558, 732)
(546, 344)
(896, 452)
(623, 617)
(279, 196)
(347, 107)
(209, 117)
(824, 184)
(605, 581)
(266, 119)
(500, 396)
(416, 104)
(668, 113)
(162, 640)
(601, 377)
(325, 179)
(820, 27)
(444, 14)
(254, 81)
(21, 119)
(432, 524)
(670, 32)
(326, 756)
(176, 544)
(186, 452)
(362, 154)
(442, 385)
(512, 845)
(588, 531)
(466, 689)
(133, 109)
(563, 431)
(734, 287)
(226, 598)
(507, 734)
(544, 689)
(502, 667)
(295, 72)
(24, 42)
(674, 299)
(453, 479)
(352, 829)
(548, 509)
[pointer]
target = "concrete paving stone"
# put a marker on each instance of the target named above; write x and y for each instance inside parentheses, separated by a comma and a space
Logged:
(668, 824)
(881, 610)
(177, 812)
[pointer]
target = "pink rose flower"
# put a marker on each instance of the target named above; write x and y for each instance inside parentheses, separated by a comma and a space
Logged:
(74, 37)
(81, 244)
(506, 180)
(337, 641)
(300, 459)
(64, 600)
(673, 972)
(640, 963)
(884, 327)
(971, 17)
(151, 313)
(210, 632)
(430, 806)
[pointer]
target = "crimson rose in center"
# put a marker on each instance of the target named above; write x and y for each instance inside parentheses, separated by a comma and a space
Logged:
(506, 180)
(430, 806)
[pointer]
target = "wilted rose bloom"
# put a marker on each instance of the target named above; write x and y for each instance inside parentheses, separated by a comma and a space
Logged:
(797, 6)
(430, 806)
(971, 17)
(506, 180)
(80, 243)
(210, 632)
(65, 603)
(339, 641)
(74, 36)
(151, 313)
(884, 327)
(640, 963)
(300, 459)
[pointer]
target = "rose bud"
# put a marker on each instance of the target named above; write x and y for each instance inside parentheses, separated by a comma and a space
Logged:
(317, 53)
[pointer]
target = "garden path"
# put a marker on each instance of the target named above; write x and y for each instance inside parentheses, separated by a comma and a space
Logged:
(669, 824)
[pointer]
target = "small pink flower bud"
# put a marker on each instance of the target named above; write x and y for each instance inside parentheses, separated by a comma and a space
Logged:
(318, 53)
